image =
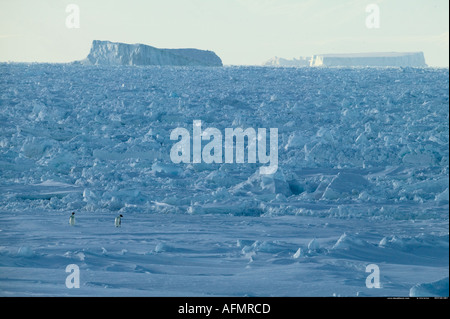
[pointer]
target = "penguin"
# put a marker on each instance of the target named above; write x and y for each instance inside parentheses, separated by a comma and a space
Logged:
(118, 221)
(72, 219)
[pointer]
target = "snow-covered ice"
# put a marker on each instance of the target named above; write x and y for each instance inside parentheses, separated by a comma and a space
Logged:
(362, 179)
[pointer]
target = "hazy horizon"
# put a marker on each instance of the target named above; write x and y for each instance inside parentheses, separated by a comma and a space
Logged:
(240, 32)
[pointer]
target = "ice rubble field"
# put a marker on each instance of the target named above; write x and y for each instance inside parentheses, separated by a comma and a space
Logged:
(362, 179)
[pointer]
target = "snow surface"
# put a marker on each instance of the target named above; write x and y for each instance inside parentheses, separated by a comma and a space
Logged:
(116, 53)
(433, 289)
(375, 59)
(362, 179)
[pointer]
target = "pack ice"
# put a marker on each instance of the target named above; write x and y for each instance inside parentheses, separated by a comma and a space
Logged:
(362, 179)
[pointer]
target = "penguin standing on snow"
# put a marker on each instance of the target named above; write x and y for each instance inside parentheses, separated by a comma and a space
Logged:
(118, 221)
(72, 219)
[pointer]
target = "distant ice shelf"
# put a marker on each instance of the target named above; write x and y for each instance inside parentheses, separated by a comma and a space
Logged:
(277, 61)
(116, 53)
(372, 59)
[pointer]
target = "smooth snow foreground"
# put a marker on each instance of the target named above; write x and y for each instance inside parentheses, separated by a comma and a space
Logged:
(361, 184)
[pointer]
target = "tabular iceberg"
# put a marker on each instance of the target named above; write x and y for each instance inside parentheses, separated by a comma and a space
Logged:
(376, 59)
(116, 53)
(277, 61)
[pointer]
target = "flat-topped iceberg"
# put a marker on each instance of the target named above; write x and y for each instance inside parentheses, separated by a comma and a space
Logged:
(277, 61)
(374, 59)
(116, 53)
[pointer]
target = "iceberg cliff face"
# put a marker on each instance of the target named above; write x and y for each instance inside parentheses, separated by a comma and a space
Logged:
(114, 53)
(377, 59)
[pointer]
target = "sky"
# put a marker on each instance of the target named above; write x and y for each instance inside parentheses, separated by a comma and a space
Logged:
(240, 32)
